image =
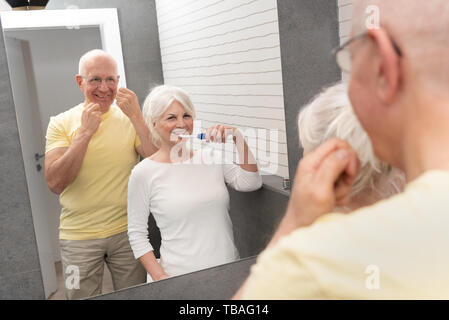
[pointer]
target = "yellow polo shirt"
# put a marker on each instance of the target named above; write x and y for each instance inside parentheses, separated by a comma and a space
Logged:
(94, 205)
(395, 249)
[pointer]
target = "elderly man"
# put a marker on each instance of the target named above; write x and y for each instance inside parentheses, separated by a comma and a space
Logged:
(397, 248)
(90, 152)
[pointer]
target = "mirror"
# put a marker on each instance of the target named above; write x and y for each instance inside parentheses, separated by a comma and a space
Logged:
(228, 59)
(43, 49)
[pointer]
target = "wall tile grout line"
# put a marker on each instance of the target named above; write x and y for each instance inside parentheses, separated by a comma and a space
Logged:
(223, 54)
(222, 44)
(217, 35)
(229, 84)
(213, 15)
(232, 60)
(171, 11)
(221, 74)
(219, 24)
(235, 105)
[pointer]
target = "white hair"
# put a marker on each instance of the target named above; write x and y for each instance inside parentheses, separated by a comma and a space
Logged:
(158, 101)
(90, 55)
(330, 115)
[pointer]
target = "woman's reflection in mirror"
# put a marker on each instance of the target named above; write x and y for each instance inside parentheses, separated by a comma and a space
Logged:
(185, 190)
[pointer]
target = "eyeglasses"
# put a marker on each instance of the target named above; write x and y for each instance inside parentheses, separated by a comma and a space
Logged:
(97, 81)
(343, 56)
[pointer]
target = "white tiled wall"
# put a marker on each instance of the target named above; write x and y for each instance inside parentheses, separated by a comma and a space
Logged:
(226, 54)
(345, 12)
(344, 17)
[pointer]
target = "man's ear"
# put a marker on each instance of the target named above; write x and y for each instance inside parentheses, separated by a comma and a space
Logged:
(389, 70)
(79, 80)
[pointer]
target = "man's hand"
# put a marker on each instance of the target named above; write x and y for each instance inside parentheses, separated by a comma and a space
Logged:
(129, 103)
(63, 164)
(323, 180)
(90, 119)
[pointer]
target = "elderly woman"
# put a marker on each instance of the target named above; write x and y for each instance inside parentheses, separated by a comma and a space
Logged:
(330, 115)
(185, 190)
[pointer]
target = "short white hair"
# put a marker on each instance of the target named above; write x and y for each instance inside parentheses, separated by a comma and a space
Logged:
(85, 58)
(158, 101)
(330, 115)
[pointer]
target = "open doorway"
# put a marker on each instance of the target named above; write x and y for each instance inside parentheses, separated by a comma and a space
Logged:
(44, 65)
(43, 49)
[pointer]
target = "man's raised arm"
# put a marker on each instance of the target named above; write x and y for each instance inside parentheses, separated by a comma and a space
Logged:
(129, 104)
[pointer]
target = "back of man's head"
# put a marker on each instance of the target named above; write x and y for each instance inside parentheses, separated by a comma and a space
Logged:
(420, 29)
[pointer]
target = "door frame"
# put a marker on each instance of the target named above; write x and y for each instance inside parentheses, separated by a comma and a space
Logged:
(106, 19)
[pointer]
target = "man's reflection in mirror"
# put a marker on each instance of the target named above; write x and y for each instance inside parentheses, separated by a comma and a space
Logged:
(90, 151)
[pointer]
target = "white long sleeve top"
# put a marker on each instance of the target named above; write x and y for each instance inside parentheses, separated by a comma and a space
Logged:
(190, 204)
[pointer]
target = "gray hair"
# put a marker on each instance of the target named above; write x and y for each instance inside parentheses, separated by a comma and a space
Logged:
(93, 54)
(158, 101)
(330, 115)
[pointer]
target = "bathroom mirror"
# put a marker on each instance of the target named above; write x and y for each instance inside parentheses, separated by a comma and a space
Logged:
(225, 54)
(43, 49)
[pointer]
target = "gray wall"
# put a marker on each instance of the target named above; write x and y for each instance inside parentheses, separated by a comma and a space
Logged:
(308, 32)
(255, 216)
(20, 272)
(139, 35)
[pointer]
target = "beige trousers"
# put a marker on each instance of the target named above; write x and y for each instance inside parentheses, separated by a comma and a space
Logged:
(83, 265)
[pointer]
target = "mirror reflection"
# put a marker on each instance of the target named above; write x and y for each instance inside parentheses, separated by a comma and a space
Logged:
(185, 189)
(83, 135)
(43, 49)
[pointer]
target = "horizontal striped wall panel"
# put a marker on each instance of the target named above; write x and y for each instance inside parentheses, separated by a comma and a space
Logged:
(345, 13)
(226, 55)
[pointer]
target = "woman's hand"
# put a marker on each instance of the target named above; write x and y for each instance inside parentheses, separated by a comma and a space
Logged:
(162, 277)
(219, 133)
(152, 266)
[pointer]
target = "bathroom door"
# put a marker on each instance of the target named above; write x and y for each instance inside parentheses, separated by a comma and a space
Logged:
(32, 142)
